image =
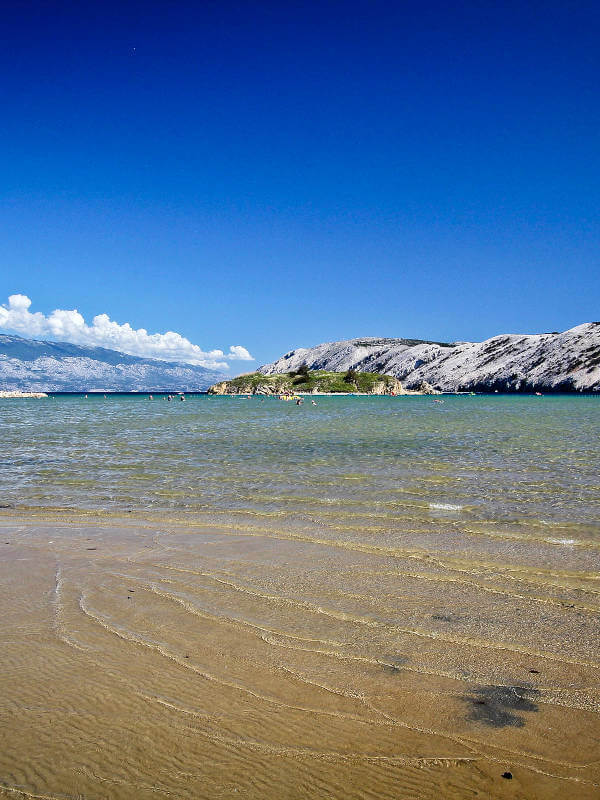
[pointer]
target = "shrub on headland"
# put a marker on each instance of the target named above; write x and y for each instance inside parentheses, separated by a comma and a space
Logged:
(305, 380)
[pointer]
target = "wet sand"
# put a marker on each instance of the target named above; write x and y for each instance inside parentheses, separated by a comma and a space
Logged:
(225, 656)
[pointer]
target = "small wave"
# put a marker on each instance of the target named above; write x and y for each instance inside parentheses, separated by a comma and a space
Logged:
(567, 542)
(445, 507)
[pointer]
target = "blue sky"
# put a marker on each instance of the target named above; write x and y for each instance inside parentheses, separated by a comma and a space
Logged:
(271, 175)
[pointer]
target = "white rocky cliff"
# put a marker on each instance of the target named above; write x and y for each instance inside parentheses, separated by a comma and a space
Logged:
(546, 362)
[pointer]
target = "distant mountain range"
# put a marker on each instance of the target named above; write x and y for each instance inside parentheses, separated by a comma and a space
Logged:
(31, 365)
(546, 362)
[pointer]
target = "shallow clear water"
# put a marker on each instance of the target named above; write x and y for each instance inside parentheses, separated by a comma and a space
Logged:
(493, 458)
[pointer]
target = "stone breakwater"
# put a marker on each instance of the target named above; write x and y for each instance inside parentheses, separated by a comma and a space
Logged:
(4, 395)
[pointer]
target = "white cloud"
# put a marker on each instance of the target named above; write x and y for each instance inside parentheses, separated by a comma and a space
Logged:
(236, 351)
(70, 326)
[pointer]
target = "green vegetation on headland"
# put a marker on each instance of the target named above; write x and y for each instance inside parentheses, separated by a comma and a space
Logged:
(311, 381)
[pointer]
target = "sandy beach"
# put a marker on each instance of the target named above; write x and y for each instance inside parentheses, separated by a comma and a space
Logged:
(152, 657)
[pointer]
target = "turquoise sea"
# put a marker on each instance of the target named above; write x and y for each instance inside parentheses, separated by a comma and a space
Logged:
(527, 461)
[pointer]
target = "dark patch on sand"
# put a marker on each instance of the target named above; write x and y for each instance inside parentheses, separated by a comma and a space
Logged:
(455, 618)
(498, 706)
(394, 664)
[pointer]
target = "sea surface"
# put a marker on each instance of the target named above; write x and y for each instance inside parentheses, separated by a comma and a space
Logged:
(370, 597)
(527, 461)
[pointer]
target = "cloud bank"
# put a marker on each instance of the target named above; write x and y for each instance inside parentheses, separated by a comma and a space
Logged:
(70, 326)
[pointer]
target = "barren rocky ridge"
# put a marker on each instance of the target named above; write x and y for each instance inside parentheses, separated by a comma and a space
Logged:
(32, 365)
(547, 362)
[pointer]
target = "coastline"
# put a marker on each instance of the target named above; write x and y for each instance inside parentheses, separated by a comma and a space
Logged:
(96, 393)
(4, 395)
(322, 394)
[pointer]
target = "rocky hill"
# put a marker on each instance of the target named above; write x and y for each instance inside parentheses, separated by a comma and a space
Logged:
(547, 362)
(315, 382)
(31, 365)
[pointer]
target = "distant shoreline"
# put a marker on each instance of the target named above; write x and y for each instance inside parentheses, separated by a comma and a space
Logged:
(18, 395)
(15, 394)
